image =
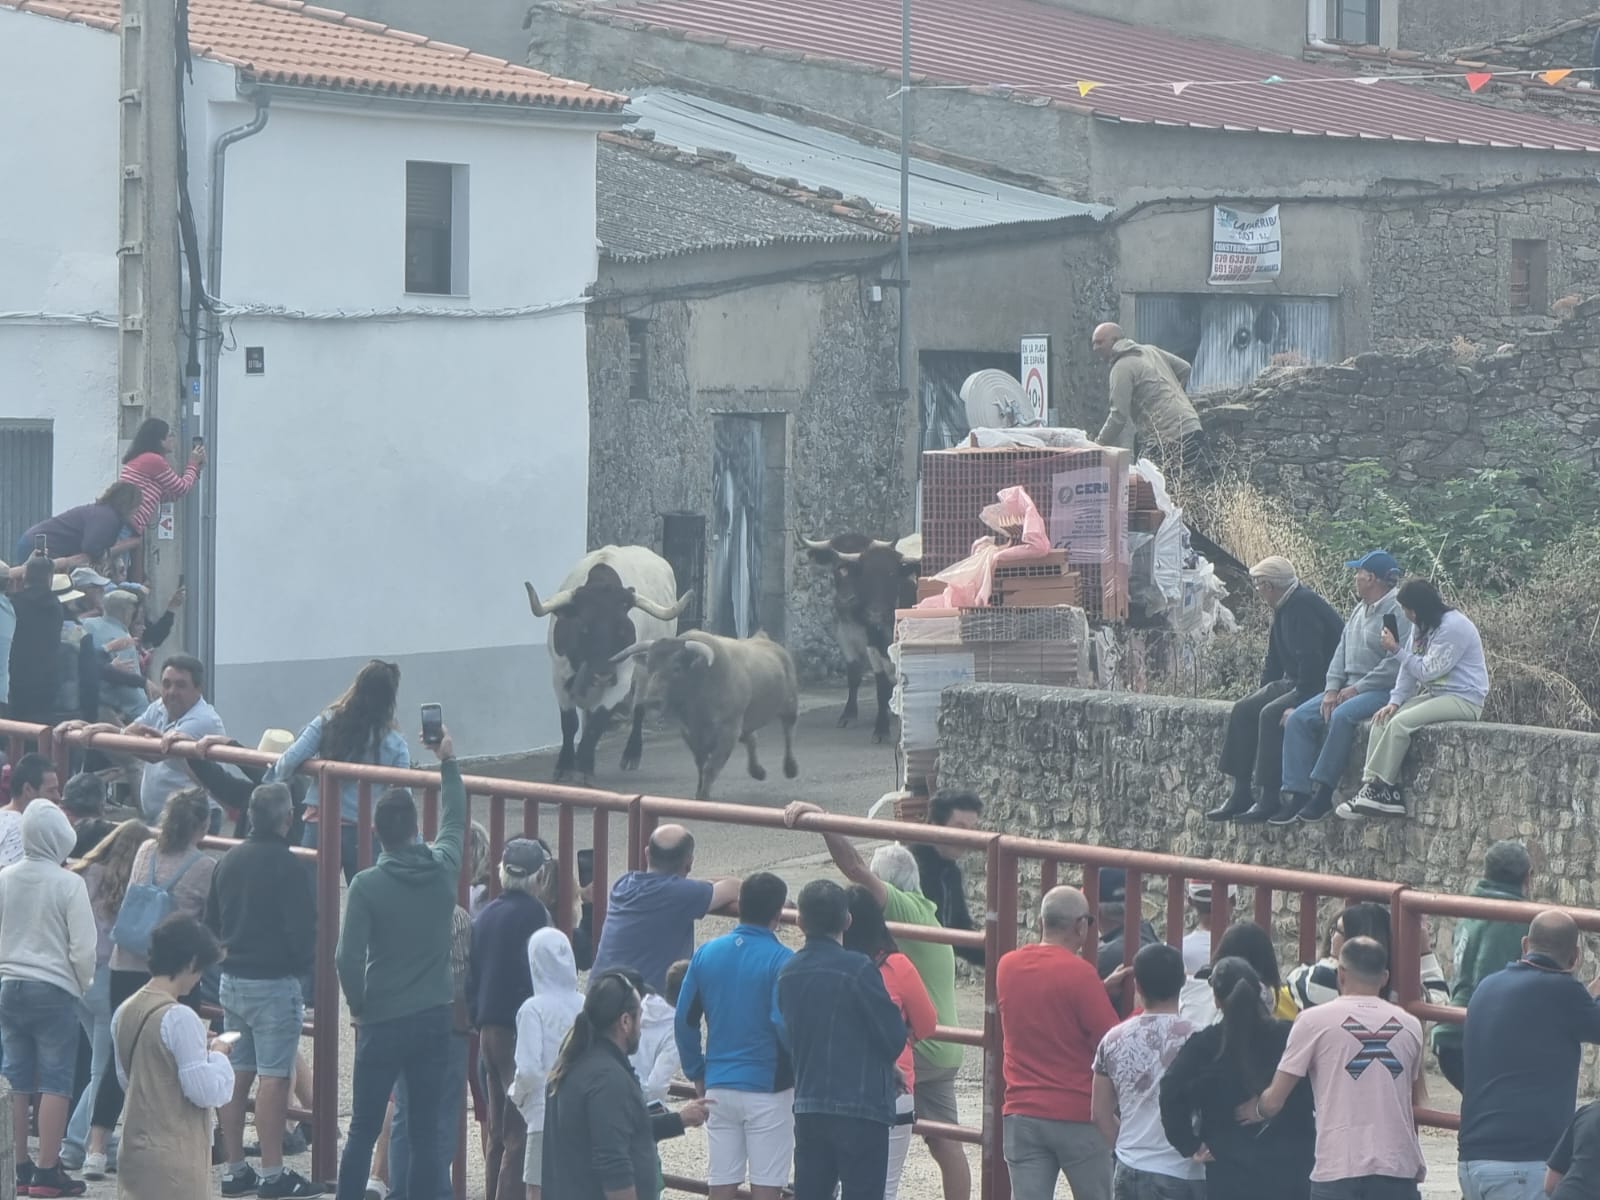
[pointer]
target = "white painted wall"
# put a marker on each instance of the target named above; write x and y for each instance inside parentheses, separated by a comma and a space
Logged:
(58, 235)
(384, 488)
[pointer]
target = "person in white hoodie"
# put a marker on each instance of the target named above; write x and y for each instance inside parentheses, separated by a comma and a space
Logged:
(47, 960)
(657, 1063)
(543, 1022)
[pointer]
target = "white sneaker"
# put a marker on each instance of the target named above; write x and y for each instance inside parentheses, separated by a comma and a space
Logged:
(94, 1166)
(377, 1189)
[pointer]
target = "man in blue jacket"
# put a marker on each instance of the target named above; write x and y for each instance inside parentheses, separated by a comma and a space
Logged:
(844, 1034)
(732, 987)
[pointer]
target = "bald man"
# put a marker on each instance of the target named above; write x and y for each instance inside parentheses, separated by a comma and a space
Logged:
(1055, 1009)
(651, 914)
(1148, 399)
(1522, 1044)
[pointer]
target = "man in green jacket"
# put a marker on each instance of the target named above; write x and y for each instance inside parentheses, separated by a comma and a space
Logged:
(394, 967)
(1148, 400)
(1484, 947)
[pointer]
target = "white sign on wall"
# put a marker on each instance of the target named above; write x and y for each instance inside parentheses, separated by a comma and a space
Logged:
(1036, 374)
(167, 522)
(1246, 246)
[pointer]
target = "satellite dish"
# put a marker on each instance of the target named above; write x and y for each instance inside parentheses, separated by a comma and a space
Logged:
(996, 400)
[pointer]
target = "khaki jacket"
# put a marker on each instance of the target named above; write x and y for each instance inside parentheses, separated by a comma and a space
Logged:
(1147, 397)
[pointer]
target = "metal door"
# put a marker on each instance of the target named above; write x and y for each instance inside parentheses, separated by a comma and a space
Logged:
(683, 545)
(738, 479)
(26, 453)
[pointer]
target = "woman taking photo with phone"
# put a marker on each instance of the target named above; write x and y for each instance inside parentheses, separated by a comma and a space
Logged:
(1443, 676)
(146, 467)
(358, 727)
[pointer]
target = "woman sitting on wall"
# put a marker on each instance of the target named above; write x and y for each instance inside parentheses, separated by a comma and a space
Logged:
(1443, 677)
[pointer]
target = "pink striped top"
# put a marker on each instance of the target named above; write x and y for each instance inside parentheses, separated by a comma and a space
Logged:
(156, 481)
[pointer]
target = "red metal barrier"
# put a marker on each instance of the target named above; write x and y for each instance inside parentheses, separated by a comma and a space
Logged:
(1004, 858)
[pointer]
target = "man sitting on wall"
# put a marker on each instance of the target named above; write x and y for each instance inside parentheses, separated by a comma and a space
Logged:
(1360, 678)
(1304, 632)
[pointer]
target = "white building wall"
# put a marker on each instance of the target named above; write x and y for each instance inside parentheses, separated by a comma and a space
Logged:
(58, 236)
(385, 488)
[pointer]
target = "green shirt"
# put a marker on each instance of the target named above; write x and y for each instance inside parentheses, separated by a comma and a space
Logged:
(935, 963)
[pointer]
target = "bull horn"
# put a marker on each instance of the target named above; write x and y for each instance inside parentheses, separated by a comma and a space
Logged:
(847, 558)
(633, 651)
(559, 600)
(807, 544)
(703, 649)
(879, 545)
(663, 612)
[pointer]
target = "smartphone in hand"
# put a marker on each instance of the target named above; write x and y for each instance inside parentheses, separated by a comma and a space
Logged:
(432, 724)
(1391, 625)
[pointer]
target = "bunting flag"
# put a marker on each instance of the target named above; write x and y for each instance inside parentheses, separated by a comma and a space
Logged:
(1476, 81)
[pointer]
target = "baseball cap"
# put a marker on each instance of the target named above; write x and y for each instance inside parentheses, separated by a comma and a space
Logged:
(523, 856)
(1113, 885)
(1380, 562)
(1200, 890)
(88, 577)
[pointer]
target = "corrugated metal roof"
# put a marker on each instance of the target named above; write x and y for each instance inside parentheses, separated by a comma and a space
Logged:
(941, 198)
(1044, 50)
(650, 208)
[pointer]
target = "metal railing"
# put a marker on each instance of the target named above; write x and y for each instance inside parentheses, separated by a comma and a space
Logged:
(515, 807)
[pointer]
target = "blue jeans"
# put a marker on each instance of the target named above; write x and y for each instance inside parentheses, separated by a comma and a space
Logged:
(267, 1015)
(39, 1029)
(1501, 1180)
(1303, 763)
(94, 1014)
(416, 1049)
(349, 848)
(449, 1129)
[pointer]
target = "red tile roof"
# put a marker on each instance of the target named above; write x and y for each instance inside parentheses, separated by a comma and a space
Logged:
(290, 42)
(1043, 50)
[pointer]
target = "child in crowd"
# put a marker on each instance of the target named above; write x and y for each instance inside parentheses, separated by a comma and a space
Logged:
(656, 1064)
(543, 1022)
(47, 963)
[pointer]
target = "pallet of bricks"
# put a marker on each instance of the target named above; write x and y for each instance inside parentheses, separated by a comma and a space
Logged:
(1083, 496)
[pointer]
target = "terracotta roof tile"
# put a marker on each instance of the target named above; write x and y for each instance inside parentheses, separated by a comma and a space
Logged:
(1043, 49)
(289, 42)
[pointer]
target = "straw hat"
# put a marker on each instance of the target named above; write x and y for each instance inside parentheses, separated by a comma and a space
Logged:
(61, 586)
(275, 741)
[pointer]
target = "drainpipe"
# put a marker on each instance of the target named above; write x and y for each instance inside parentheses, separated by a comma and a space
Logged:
(208, 483)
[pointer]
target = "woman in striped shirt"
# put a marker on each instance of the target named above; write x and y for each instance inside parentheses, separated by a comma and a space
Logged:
(146, 466)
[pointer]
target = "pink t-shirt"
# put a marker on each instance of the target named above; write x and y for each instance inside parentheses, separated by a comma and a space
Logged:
(1363, 1056)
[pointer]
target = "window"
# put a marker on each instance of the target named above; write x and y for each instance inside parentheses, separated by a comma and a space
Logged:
(1356, 21)
(1530, 276)
(638, 359)
(27, 449)
(436, 229)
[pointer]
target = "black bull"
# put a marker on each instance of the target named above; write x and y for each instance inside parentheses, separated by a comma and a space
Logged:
(871, 579)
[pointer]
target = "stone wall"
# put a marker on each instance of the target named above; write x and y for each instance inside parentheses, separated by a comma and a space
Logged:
(1447, 24)
(1429, 414)
(1138, 772)
(1443, 267)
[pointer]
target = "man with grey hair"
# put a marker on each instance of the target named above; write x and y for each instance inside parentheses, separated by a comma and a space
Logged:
(894, 882)
(1483, 947)
(1148, 399)
(1301, 641)
(1360, 678)
(1054, 1010)
(262, 908)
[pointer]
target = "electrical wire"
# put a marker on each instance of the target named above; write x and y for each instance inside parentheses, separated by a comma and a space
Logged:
(279, 312)
(96, 320)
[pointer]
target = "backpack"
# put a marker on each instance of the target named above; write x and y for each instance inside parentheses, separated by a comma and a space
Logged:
(144, 907)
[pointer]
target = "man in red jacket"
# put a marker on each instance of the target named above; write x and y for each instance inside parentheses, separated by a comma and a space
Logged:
(1054, 1009)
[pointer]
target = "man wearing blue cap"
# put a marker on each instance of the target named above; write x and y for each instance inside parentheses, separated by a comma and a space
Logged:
(1360, 677)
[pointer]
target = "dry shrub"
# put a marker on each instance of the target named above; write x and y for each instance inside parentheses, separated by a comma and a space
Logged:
(1464, 349)
(1251, 525)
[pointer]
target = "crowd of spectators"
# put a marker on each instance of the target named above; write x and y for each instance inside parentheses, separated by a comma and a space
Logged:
(1192, 1070)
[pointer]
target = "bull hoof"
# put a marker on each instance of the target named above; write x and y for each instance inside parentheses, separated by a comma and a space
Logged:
(845, 719)
(585, 780)
(790, 768)
(757, 771)
(630, 760)
(879, 736)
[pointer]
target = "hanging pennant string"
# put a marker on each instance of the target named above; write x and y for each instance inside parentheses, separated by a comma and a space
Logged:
(1475, 81)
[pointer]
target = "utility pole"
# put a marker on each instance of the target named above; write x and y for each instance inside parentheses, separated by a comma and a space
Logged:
(148, 300)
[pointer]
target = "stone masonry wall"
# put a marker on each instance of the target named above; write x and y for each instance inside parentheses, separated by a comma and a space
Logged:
(1138, 772)
(1442, 267)
(1444, 24)
(1430, 413)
